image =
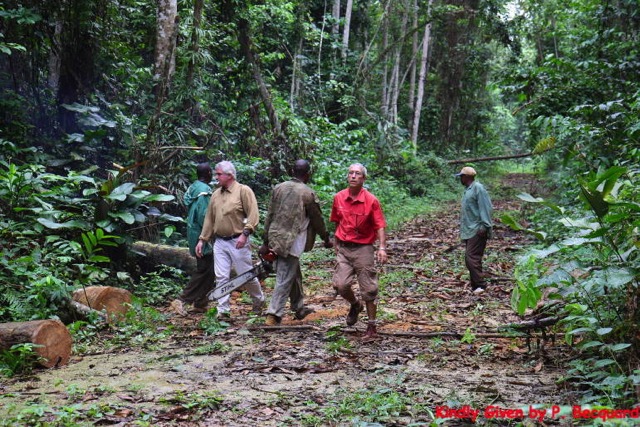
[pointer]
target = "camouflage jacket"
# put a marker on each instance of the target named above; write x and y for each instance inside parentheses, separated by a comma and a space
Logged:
(291, 202)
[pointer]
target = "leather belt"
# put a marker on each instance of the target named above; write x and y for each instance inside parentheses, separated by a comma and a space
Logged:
(350, 244)
(235, 236)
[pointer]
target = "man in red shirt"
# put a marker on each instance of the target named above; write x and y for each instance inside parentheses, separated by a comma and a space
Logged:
(359, 222)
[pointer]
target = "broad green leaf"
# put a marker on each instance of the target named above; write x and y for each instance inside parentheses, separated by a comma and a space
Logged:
(121, 192)
(126, 217)
(604, 362)
(579, 241)
(580, 330)
(160, 198)
(603, 331)
(167, 217)
(595, 200)
(511, 222)
(618, 347)
(543, 253)
(590, 344)
(69, 224)
(529, 198)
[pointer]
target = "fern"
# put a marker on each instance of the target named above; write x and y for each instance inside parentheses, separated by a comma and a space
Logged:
(16, 305)
(545, 144)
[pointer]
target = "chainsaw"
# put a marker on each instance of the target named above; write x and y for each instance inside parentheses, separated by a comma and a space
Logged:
(261, 270)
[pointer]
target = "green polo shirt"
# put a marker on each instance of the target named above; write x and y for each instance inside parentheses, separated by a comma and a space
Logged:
(475, 213)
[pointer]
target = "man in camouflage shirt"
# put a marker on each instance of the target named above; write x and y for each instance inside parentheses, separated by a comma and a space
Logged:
(293, 220)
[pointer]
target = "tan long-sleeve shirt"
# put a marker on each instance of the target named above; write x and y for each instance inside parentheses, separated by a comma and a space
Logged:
(231, 211)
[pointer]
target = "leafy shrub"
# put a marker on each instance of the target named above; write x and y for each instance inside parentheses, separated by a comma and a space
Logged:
(19, 359)
(595, 271)
(157, 287)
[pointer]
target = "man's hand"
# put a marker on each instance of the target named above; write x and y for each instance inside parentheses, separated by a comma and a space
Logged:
(328, 243)
(482, 232)
(381, 256)
(242, 241)
(199, 248)
(263, 250)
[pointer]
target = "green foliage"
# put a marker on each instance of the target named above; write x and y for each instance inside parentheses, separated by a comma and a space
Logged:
(158, 286)
(468, 337)
(210, 323)
(336, 342)
(142, 326)
(377, 404)
(19, 359)
(594, 269)
(526, 293)
(209, 401)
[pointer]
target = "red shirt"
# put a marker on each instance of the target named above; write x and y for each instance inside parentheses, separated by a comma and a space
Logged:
(358, 218)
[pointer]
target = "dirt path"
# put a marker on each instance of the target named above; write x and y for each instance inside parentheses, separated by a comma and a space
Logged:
(439, 346)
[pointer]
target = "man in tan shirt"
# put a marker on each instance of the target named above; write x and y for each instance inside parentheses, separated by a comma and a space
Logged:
(232, 216)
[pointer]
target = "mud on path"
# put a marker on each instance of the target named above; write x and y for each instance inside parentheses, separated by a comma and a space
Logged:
(439, 345)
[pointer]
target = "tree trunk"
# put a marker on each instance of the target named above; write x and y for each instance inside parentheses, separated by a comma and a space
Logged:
(384, 98)
(152, 255)
(424, 68)
(396, 81)
(347, 29)
(51, 337)
(114, 301)
(164, 65)
(195, 40)
(253, 61)
(296, 73)
(411, 98)
(335, 28)
(164, 51)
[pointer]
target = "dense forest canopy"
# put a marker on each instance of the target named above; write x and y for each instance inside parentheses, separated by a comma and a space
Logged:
(105, 107)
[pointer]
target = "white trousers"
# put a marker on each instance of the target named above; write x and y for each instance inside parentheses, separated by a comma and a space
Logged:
(226, 256)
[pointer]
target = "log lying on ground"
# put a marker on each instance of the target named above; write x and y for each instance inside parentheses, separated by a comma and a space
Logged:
(52, 338)
(114, 301)
(152, 255)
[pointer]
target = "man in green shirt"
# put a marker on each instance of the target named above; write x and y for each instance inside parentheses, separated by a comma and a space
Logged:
(196, 200)
(475, 226)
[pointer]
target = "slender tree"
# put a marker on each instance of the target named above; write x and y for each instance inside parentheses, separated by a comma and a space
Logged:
(424, 68)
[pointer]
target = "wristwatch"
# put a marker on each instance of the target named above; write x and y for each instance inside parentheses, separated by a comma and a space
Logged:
(246, 232)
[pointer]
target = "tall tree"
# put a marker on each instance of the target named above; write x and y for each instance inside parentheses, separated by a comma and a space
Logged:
(422, 79)
(346, 30)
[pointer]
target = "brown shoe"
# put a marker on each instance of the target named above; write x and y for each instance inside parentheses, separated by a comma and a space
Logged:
(271, 320)
(355, 309)
(303, 312)
(371, 333)
(178, 307)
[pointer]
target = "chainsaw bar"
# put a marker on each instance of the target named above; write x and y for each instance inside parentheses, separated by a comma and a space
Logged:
(260, 270)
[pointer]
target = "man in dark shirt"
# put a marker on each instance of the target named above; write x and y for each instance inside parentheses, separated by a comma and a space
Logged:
(293, 220)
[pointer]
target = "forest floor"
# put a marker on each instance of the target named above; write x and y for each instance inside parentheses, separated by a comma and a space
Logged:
(440, 346)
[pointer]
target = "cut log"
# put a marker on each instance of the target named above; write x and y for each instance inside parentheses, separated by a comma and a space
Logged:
(114, 301)
(152, 255)
(488, 159)
(52, 338)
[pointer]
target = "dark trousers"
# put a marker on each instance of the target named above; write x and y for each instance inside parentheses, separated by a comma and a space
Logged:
(200, 283)
(474, 251)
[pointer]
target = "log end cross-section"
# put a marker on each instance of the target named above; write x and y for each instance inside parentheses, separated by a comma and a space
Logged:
(51, 337)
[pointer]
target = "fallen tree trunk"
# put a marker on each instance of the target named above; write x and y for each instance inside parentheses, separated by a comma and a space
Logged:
(114, 301)
(152, 255)
(51, 337)
(488, 159)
